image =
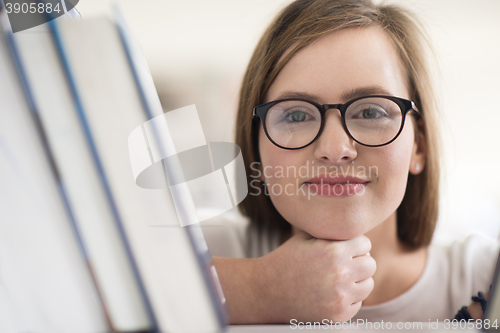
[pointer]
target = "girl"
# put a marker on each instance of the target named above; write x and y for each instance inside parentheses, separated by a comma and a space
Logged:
(341, 152)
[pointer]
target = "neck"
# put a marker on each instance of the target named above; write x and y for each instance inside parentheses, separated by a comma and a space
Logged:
(384, 239)
(398, 266)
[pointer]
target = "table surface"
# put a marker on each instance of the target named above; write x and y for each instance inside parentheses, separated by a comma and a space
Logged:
(424, 327)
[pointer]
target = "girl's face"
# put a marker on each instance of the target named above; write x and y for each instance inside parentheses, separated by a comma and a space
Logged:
(338, 67)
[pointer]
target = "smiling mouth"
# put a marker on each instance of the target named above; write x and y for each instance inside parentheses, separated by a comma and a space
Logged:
(336, 187)
(347, 182)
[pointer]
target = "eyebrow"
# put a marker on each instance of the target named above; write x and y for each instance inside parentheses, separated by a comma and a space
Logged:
(364, 91)
(299, 95)
(346, 96)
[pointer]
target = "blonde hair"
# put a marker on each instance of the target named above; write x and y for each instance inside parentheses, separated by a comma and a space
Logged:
(295, 27)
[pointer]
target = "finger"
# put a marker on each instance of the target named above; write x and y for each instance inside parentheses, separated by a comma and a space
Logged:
(362, 267)
(347, 312)
(358, 246)
(362, 290)
(356, 306)
(353, 309)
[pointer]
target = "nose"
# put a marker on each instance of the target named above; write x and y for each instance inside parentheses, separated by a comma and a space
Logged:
(334, 145)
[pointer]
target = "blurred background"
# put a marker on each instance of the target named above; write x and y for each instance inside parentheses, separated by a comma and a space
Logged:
(197, 51)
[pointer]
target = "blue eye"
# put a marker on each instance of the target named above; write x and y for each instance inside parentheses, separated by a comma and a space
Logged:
(293, 114)
(296, 116)
(370, 112)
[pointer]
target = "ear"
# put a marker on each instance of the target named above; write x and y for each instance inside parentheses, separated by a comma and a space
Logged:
(419, 151)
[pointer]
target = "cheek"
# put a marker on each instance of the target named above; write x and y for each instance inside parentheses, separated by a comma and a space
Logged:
(276, 160)
(279, 169)
(394, 166)
(265, 149)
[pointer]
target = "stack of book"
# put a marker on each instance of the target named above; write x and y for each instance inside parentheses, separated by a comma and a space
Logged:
(82, 247)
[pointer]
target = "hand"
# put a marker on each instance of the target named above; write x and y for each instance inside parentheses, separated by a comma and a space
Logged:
(311, 279)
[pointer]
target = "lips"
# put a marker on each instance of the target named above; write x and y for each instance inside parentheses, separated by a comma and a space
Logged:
(338, 185)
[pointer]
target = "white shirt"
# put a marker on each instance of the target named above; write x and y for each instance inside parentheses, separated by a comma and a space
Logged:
(451, 276)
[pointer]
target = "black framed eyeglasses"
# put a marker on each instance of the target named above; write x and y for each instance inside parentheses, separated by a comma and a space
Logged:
(371, 121)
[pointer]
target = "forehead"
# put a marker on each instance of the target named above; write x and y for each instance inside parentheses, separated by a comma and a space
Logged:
(341, 62)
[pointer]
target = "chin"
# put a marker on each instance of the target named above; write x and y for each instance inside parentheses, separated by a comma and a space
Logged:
(336, 233)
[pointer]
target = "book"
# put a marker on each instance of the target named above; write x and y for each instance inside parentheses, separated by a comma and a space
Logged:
(106, 255)
(182, 199)
(45, 285)
(112, 87)
(96, 219)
